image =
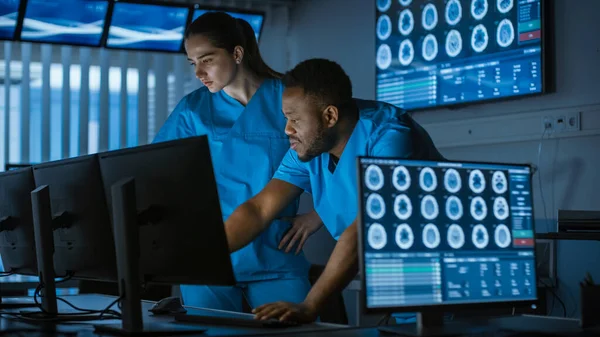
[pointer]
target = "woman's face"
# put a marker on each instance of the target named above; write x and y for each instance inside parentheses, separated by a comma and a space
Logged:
(215, 67)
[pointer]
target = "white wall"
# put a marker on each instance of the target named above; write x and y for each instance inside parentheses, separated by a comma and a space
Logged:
(343, 30)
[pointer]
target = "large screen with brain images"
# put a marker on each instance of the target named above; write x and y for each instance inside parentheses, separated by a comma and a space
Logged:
(432, 53)
(445, 233)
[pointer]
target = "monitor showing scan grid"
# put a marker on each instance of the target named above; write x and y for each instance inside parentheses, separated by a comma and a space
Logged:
(445, 233)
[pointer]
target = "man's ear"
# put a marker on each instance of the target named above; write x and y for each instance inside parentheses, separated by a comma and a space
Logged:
(331, 115)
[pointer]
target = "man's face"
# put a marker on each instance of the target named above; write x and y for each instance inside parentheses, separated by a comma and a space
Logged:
(308, 135)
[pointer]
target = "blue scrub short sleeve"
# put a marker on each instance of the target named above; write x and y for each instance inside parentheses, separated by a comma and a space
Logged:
(392, 141)
(291, 170)
(178, 125)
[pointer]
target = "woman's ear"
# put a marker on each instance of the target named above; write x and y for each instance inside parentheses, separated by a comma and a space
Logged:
(238, 54)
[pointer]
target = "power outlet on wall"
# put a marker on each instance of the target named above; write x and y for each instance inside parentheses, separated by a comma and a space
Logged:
(561, 122)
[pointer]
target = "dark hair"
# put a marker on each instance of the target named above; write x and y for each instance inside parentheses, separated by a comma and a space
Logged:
(323, 80)
(225, 32)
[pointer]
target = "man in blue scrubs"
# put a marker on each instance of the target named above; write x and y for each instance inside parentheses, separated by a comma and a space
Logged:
(328, 129)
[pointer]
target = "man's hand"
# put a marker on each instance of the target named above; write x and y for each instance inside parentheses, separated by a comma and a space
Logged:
(303, 226)
(285, 311)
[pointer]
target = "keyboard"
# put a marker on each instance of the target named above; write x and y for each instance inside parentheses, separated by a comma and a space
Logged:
(234, 321)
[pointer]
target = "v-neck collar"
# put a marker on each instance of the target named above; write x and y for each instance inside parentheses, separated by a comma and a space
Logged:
(344, 157)
(235, 101)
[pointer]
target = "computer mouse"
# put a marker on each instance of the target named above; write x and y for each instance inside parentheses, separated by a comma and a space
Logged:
(168, 306)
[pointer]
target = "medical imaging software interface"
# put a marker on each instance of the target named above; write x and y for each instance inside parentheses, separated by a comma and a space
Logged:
(446, 233)
(443, 52)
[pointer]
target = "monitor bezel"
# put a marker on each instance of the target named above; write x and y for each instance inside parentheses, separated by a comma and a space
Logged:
(437, 307)
(108, 23)
(18, 34)
(546, 63)
(263, 14)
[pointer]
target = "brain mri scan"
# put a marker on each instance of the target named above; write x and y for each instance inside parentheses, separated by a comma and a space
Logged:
(383, 5)
(454, 208)
(479, 9)
(429, 17)
(406, 52)
(430, 47)
(375, 206)
(452, 181)
(504, 6)
(480, 236)
(431, 236)
(505, 34)
(502, 236)
(429, 207)
(453, 43)
(384, 57)
(376, 236)
(384, 27)
(499, 182)
(401, 178)
(406, 22)
(402, 207)
(478, 208)
(479, 38)
(453, 12)
(501, 211)
(476, 181)
(427, 179)
(374, 177)
(456, 236)
(404, 236)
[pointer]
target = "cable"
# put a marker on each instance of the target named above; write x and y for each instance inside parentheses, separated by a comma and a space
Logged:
(564, 307)
(108, 310)
(384, 320)
(539, 172)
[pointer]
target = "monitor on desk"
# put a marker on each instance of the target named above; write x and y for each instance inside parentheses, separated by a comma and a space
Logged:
(17, 246)
(181, 233)
(440, 236)
(83, 239)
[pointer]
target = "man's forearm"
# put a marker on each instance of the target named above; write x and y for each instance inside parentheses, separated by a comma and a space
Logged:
(340, 270)
(244, 224)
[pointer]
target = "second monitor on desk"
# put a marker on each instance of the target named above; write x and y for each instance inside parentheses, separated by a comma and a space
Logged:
(441, 236)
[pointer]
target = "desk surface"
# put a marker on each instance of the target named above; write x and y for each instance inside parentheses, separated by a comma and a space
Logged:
(99, 302)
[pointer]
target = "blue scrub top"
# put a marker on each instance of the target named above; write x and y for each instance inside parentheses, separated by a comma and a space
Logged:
(382, 130)
(247, 145)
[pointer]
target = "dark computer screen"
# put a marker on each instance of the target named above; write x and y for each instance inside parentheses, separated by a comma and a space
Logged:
(17, 245)
(83, 240)
(9, 14)
(149, 27)
(255, 19)
(78, 22)
(445, 233)
(446, 52)
(182, 236)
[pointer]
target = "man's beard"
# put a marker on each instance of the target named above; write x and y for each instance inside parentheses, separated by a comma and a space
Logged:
(323, 142)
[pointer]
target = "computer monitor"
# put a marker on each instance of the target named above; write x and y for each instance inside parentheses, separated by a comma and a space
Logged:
(431, 54)
(167, 220)
(9, 14)
(151, 26)
(83, 239)
(17, 246)
(254, 18)
(440, 236)
(75, 22)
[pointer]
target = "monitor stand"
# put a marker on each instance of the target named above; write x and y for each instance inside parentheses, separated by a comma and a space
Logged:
(127, 246)
(432, 324)
(43, 229)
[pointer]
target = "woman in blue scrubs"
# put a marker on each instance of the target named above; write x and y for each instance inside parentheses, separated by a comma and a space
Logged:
(239, 108)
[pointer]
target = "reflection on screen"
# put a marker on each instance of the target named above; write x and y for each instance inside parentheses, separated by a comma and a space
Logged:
(456, 51)
(147, 27)
(255, 20)
(65, 21)
(9, 12)
(446, 233)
